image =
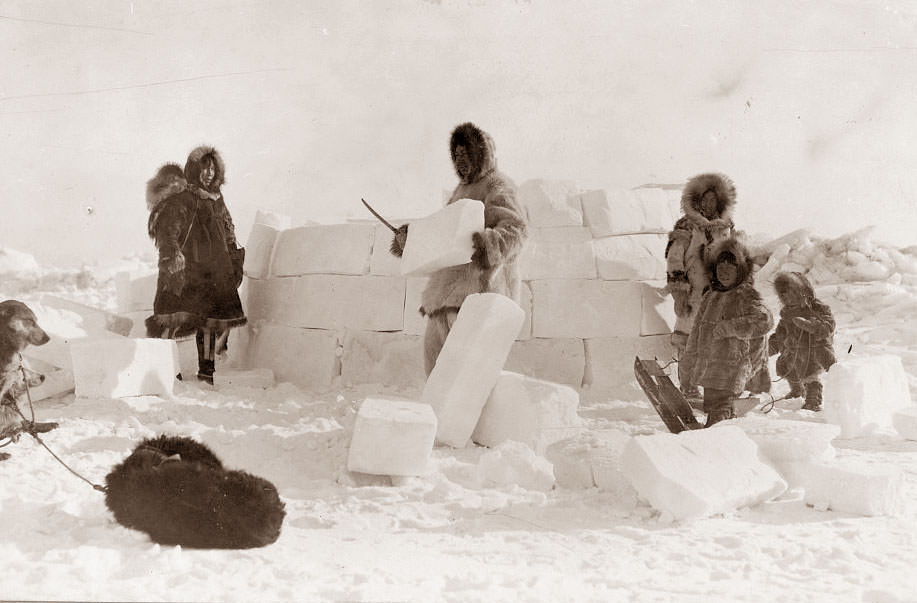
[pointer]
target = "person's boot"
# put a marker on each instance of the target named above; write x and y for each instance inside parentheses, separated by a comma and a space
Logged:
(205, 369)
(797, 390)
(813, 396)
(693, 396)
(719, 415)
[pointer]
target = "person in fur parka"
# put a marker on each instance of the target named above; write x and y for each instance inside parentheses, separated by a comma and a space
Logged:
(707, 202)
(494, 267)
(727, 344)
(200, 263)
(804, 338)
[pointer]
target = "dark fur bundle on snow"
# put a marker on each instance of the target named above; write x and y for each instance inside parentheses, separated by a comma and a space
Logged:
(177, 491)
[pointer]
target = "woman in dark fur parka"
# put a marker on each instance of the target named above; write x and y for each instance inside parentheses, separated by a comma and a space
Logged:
(804, 338)
(494, 266)
(727, 345)
(200, 263)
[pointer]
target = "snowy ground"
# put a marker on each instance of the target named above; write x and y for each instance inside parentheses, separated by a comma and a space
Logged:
(446, 536)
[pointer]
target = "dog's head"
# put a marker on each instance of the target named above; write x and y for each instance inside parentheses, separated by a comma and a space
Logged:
(18, 327)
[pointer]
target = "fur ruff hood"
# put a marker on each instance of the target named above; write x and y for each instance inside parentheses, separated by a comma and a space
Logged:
(731, 250)
(721, 185)
(794, 281)
(168, 181)
(193, 167)
(480, 148)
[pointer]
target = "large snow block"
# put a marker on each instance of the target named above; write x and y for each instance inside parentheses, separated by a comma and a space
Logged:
(414, 322)
(657, 309)
(862, 393)
(515, 464)
(442, 239)
(786, 440)
(525, 300)
(532, 411)
(699, 473)
(570, 458)
(558, 252)
(259, 250)
(470, 363)
(118, 367)
(260, 378)
(551, 203)
(392, 437)
(308, 358)
(323, 249)
(586, 308)
(558, 360)
(619, 212)
(905, 422)
(638, 257)
(383, 262)
(607, 447)
(57, 380)
(325, 301)
(272, 219)
(850, 486)
(391, 359)
(135, 291)
(610, 364)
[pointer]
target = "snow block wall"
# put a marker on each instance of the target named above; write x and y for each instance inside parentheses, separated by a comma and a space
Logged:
(328, 304)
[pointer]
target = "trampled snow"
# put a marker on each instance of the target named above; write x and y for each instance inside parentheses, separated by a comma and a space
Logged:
(480, 525)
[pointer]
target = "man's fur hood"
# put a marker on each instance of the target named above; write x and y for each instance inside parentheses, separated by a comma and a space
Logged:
(480, 148)
(694, 190)
(193, 167)
(734, 251)
(794, 281)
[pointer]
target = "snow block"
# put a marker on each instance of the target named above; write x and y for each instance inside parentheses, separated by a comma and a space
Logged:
(850, 487)
(392, 437)
(391, 359)
(272, 219)
(607, 469)
(323, 249)
(135, 292)
(187, 358)
(382, 262)
(414, 321)
(525, 300)
(657, 309)
(572, 465)
(638, 257)
(470, 363)
(551, 203)
(326, 301)
(57, 380)
(786, 440)
(558, 252)
(119, 367)
(610, 365)
(442, 239)
(905, 422)
(699, 473)
(262, 378)
(619, 212)
(586, 308)
(259, 250)
(308, 358)
(515, 464)
(558, 360)
(532, 411)
(862, 393)
(767, 272)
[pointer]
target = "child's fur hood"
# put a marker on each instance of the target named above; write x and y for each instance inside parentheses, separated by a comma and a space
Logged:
(795, 281)
(480, 148)
(168, 181)
(695, 188)
(731, 249)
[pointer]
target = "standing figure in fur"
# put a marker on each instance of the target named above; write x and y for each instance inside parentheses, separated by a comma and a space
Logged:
(494, 266)
(804, 338)
(728, 342)
(707, 202)
(200, 263)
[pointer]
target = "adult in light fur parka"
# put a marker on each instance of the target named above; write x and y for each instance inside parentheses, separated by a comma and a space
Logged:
(200, 263)
(707, 202)
(494, 267)
(727, 345)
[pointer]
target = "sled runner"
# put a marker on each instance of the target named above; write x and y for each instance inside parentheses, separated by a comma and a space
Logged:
(668, 401)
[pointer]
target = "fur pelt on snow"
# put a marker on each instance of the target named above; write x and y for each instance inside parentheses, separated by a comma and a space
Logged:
(178, 492)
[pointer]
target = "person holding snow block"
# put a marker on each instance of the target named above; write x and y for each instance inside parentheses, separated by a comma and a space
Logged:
(200, 263)
(804, 338)
(494, 266)
(707, 202)
(727, 344)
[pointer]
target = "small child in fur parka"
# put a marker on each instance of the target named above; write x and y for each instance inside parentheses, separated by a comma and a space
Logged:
(804, 338)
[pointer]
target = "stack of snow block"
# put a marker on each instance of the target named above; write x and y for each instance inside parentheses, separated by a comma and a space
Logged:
(442, 239)
(527, 410)
(849, 486)
(470, 363)
(392, 437)
(699, 473)
(117, 367)
(862, 394)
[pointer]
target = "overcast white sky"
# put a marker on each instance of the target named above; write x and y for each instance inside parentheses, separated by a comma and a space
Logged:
(811, 109)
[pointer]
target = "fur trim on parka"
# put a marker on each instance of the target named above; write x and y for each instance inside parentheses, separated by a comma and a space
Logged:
(193, 167)
(803, 353)
(727, 345)
(505, 229)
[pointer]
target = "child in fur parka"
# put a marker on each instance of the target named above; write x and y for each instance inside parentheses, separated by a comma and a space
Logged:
(804, 338)
(707, 202)
(727, 344)
(494, 267)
